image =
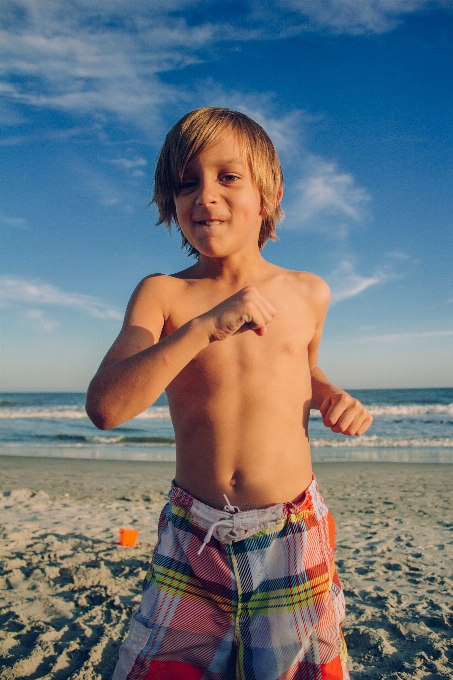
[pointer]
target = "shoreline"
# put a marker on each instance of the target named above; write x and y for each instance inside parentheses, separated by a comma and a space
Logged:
(442, 455)
(67, 585)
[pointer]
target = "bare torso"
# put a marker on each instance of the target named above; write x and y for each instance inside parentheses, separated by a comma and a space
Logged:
(240, 408)
(234, 342)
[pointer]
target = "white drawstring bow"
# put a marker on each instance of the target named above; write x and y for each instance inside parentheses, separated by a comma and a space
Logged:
(236, 525)
(227, 523)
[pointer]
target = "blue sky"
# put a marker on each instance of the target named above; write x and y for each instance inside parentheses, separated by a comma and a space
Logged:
(357, 96)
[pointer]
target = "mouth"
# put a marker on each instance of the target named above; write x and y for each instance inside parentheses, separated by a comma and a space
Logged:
(208, 223)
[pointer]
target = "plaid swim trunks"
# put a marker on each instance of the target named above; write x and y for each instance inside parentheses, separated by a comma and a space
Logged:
(250, 595)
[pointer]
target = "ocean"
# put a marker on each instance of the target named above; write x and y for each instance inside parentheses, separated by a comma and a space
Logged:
(410, 425)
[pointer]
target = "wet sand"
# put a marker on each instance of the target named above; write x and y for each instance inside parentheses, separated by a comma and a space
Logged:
(67, 589)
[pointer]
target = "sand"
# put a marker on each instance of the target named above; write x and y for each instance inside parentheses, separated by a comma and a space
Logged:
(67, 589)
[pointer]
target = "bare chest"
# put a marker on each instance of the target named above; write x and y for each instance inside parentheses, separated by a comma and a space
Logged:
(281, 350)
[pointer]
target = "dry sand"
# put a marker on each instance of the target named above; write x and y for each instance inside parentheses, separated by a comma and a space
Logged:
(67, 590)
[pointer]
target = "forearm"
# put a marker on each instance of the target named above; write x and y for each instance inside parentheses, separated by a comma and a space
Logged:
(124, 389)
(321, 388)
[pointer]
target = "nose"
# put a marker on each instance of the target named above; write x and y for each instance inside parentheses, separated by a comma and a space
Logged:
(207, 193)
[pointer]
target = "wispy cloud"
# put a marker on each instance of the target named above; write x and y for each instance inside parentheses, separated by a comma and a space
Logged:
(346, 283)
(332, 191)
(399, 255)
(91, 57)
(128, 163)
(13, 289)
(356, 16)
(131, 165)
(326, 199)
(14, 222)
(286, 130)
(401, 337)
(43, 136)
(37, 320)
(107, 191)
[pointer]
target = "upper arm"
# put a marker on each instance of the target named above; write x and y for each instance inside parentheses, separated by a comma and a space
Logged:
(143, 321)
(319, 298)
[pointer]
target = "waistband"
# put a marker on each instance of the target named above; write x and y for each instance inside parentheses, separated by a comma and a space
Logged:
(231, 524)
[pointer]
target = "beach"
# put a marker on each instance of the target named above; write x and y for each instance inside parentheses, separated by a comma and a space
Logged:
(67, 589)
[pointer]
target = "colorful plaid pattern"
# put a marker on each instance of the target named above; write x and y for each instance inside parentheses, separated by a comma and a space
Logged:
(267, 607)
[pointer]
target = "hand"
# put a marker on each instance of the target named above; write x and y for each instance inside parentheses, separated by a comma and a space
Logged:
(344, 414)
(244, 311)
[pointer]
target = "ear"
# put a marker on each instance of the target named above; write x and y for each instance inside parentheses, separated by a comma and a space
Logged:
(279, 195)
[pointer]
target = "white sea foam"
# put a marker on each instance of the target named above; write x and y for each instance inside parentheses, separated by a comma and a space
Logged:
(409, 410)
(71, 412)
(376, 442)
(155, 412)
(412, 410)
(163, 412)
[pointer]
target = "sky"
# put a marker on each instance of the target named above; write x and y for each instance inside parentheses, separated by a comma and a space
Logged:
(357, 96)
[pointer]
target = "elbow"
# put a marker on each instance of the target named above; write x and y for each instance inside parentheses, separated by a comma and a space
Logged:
(99, 415)
(99, 419)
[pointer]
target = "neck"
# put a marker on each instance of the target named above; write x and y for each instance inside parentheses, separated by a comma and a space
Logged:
(235, 270)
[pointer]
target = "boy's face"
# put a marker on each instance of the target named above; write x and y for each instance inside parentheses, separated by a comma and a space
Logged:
(218, 205)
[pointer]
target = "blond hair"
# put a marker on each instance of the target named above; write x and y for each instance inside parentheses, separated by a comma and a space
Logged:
(190, 136)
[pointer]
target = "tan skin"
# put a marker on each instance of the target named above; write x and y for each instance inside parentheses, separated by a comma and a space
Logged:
(234, 341)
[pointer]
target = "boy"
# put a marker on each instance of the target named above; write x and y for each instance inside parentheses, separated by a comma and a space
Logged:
(242, 583)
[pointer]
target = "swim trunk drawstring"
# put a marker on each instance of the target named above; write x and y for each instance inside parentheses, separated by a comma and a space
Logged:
(224, 522)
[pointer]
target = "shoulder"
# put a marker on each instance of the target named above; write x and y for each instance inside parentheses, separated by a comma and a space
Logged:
(151, 295)
(312, 286)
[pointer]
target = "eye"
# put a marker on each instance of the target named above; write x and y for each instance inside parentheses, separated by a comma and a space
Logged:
(229, 178)
(187, 185)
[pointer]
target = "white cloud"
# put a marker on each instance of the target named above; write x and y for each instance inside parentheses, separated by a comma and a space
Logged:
(356, 16)
(131, 165)
(43, 136)
(329, 191)
(401, 337)
(91, 56)
(22, 290)
(15, 222)
(326, 199)
(398, 255)
(36, 319)
(128, 163)
(284, 130)
(107, 192)
(62, 64)
(346, 283)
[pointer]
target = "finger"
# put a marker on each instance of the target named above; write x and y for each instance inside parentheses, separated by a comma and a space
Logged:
(363, 427)
(344, 423)
(256, 318)
(258, 326)
(325, 407)
(265, 306)
(334, 413)
(357, 426)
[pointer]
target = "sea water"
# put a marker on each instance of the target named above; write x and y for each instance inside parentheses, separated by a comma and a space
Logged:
(410, 425)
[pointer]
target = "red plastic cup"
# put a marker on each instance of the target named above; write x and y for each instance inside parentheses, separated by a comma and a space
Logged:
(128, 537)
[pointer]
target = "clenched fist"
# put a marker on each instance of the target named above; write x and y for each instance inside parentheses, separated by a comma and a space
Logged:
(245, 310)
(344, 414)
